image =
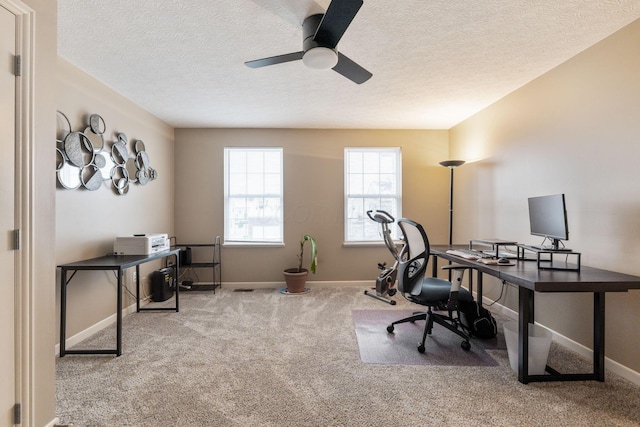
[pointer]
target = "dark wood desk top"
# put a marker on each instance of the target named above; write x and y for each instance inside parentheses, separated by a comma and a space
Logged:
(116, 262)
(526, 274)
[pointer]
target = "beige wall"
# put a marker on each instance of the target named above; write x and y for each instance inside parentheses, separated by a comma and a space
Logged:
(88, 221)
(574, 130)
(313, 195)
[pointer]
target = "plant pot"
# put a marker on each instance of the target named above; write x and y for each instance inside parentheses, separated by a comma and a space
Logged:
(295, 280)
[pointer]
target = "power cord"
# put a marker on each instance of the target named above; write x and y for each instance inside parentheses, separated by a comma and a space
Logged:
(504, 283)
(144, 297)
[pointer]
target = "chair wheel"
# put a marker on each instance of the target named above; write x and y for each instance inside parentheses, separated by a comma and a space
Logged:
(421, 348)
(391, 292)
(465, 345)
(390, 329)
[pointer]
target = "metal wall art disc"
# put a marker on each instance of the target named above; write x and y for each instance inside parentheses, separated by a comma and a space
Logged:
(78, 148)
(97, 139)
(132, 169)
(60, 159)
(119, 153)
(99, 161)
(97, 124)
(143, 176)
(120, 179)
(139, 147)
(142, 158)
(69, 176)
(63, 126)
(91, 178)
(108, 166)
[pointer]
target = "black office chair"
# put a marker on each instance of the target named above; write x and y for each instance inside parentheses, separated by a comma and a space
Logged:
(436, 294)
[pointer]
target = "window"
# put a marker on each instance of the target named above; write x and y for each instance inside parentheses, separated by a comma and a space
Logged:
(373, 180)
(253, 195)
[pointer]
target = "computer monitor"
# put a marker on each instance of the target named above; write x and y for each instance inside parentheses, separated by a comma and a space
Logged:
(548, 218)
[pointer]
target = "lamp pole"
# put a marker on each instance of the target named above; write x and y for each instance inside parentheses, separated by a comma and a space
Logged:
(451, 164)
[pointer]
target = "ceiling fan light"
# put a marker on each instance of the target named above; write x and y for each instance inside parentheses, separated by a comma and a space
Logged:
(320, 58)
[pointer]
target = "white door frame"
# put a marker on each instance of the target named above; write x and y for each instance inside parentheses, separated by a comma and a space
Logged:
(25, 265)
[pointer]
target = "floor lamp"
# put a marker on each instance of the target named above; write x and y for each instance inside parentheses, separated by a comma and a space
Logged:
(451, 164)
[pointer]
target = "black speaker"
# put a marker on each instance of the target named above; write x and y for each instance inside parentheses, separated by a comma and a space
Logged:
(162, 284)
(185, 256)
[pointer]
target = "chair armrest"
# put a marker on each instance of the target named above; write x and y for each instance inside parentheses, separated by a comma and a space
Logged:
(456, 283)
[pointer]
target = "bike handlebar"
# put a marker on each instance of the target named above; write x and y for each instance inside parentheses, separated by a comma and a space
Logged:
(380, 216)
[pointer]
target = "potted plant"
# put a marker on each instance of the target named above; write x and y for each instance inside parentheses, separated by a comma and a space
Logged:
(296, 278)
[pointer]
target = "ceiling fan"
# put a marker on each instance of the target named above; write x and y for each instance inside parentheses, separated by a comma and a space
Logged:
(320, 36)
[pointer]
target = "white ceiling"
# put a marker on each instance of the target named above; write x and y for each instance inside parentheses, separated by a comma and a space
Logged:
(434, 62)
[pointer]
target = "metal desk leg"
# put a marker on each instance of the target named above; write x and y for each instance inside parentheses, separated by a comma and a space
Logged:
(479, 291)
(525, 316)
(177, 285)
(63, 310)
(119, 315)
(138, 288)
(598, 335)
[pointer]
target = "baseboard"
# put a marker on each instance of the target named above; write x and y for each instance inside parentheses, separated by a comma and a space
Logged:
(584, 351)
(52, 423)
(95, 328)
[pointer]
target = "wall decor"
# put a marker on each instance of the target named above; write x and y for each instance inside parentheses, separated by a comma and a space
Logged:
(85, 160)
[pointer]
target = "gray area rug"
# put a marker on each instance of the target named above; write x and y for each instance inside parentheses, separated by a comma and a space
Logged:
(266, 359)
(442, 347)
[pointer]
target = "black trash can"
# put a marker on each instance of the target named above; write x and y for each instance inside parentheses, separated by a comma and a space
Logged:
(162, 284)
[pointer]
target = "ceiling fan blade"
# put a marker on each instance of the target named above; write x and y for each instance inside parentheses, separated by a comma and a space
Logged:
(351, 70)
(335, 21)
(288, 57)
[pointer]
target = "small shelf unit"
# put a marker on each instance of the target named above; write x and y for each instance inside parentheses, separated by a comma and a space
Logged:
(200, 256)
(548, 259)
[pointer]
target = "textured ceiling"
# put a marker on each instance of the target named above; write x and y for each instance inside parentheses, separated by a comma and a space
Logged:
(434, 62)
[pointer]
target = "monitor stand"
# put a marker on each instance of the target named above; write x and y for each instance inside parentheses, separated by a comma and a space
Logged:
(555, 246)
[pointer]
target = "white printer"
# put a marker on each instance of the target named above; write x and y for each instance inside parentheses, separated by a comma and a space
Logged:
(141, 244)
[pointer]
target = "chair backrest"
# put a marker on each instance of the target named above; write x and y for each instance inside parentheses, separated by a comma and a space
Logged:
(413, 257)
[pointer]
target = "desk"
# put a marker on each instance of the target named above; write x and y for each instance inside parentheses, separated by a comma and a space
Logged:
(117, 263)
(529, 279)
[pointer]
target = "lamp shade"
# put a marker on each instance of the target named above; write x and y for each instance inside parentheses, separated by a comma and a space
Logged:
(452, 163)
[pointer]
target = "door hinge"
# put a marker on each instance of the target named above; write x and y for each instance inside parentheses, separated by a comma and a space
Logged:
(17, 414)
(16, 240)
(17, 66)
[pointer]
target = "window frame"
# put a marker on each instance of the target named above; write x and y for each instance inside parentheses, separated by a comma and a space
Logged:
(279, 240)
(396, 196)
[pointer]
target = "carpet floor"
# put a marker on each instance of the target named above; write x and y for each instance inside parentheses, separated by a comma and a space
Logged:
(262, 358)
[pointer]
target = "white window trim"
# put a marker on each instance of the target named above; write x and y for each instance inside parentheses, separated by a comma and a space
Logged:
(253, 243)
(397, 196)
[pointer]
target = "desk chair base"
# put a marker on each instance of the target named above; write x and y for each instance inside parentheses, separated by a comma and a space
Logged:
(430, 317)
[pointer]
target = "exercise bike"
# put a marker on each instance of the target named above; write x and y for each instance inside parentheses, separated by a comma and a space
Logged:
(387, 278)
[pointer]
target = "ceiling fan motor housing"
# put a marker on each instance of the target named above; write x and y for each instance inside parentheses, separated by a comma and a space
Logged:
(316, 55)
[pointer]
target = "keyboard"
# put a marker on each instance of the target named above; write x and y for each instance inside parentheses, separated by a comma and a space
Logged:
(503, 253)
(468, 253)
